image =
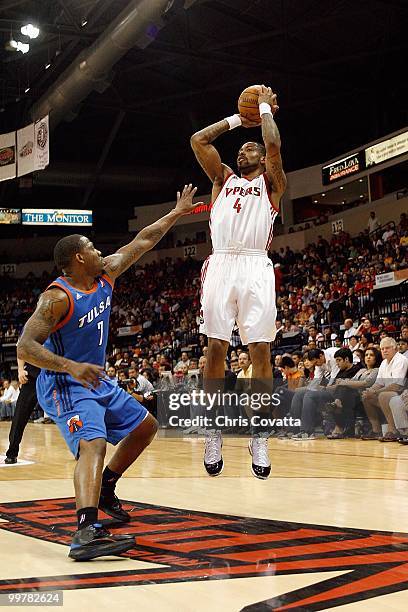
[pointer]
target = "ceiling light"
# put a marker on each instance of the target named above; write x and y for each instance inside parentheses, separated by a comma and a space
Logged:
(27, 89)
(47, 65)
(323, 194)
(30, 30)
(84, 22)
(11, 45)
(361, 195)
(360, 180)
(23, 47)
(341, 187)
(315, 201)
(343, 201)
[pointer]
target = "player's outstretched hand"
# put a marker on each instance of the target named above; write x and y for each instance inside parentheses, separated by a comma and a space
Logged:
(88, 374)
(266, 95)
(184, 204)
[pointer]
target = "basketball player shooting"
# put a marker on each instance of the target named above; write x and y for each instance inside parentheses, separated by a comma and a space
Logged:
(66, 337)
(237, 280)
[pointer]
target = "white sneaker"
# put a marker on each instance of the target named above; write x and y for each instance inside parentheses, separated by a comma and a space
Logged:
(213, 461)
(40, 420)
(261, 464)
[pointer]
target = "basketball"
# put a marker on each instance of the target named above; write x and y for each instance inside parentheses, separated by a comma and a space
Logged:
(248, 103)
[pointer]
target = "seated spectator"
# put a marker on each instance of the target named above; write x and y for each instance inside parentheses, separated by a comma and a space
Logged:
(403, 347)
(317, 396)
(292, 375)
(9, 399)
(389, 383)
(347, 396)
(184, 360)
(399, 409)
(111, 372)
(349, 331)
(388, 326)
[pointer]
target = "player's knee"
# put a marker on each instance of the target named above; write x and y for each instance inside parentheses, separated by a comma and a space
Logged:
(147, 430)
(93, 447)
(153, 427)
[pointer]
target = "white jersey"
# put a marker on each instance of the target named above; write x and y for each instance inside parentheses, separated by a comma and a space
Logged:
(243, 214)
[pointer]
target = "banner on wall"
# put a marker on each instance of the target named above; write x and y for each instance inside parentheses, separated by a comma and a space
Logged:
(37, 216)
(7, 156)
(25, 150)
(343, 168)
(41, 144)
(387, 149)
(10, 216)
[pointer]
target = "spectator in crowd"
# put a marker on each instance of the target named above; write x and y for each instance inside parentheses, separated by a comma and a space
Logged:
(111, 372)
(8, 399)
(373, 222)
(403, 347)
(399, 409)
(315, 398)
(184, 360)
(389, 382)
(347, 396)
(292, 374)
(349, 331)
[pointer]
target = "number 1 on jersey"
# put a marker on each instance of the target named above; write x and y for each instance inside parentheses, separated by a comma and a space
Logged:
(237, 205)
(100, 327)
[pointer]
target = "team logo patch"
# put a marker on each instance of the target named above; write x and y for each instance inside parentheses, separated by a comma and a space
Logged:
(197, 546)
(42, 135)
(74, 423)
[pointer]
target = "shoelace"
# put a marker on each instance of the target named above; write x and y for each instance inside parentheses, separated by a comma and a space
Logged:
(260, 452)
(212, 449)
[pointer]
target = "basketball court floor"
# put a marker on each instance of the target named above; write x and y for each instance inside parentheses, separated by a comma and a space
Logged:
(326, 530)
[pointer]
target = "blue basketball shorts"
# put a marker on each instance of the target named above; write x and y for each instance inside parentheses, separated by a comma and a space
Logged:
(106, 412)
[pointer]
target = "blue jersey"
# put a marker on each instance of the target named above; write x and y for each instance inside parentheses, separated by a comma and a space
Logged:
(83, 333)
(83, 413)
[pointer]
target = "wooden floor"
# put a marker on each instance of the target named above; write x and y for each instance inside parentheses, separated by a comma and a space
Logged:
(305, 539)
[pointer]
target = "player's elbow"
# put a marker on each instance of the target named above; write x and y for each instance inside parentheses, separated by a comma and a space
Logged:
(195, 140)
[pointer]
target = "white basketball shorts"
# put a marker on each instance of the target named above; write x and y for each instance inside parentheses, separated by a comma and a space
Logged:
(238, 287)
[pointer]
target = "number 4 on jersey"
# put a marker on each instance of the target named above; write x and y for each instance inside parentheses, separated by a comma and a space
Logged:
(237, 205)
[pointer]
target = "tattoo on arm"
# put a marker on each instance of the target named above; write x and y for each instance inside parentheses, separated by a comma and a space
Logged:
(274, 167)
(52, 307)
(206, 154)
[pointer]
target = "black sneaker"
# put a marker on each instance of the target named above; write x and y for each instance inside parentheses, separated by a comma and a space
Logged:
(213, 461)
(10, 460)
(111, 505)
(95, 541)
(258, 449)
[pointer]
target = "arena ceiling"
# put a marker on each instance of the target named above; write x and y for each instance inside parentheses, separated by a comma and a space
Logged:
(339, 67)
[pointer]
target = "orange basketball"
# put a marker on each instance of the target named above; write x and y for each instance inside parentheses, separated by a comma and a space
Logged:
(248, 103)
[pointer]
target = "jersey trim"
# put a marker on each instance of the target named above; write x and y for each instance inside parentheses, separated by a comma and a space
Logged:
(108, 280)
(71, 305)
(269, 191)
(91, 290)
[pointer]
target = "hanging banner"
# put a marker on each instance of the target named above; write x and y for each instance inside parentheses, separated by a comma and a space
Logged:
(41, 144)
(7, 156)
(25, 150)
